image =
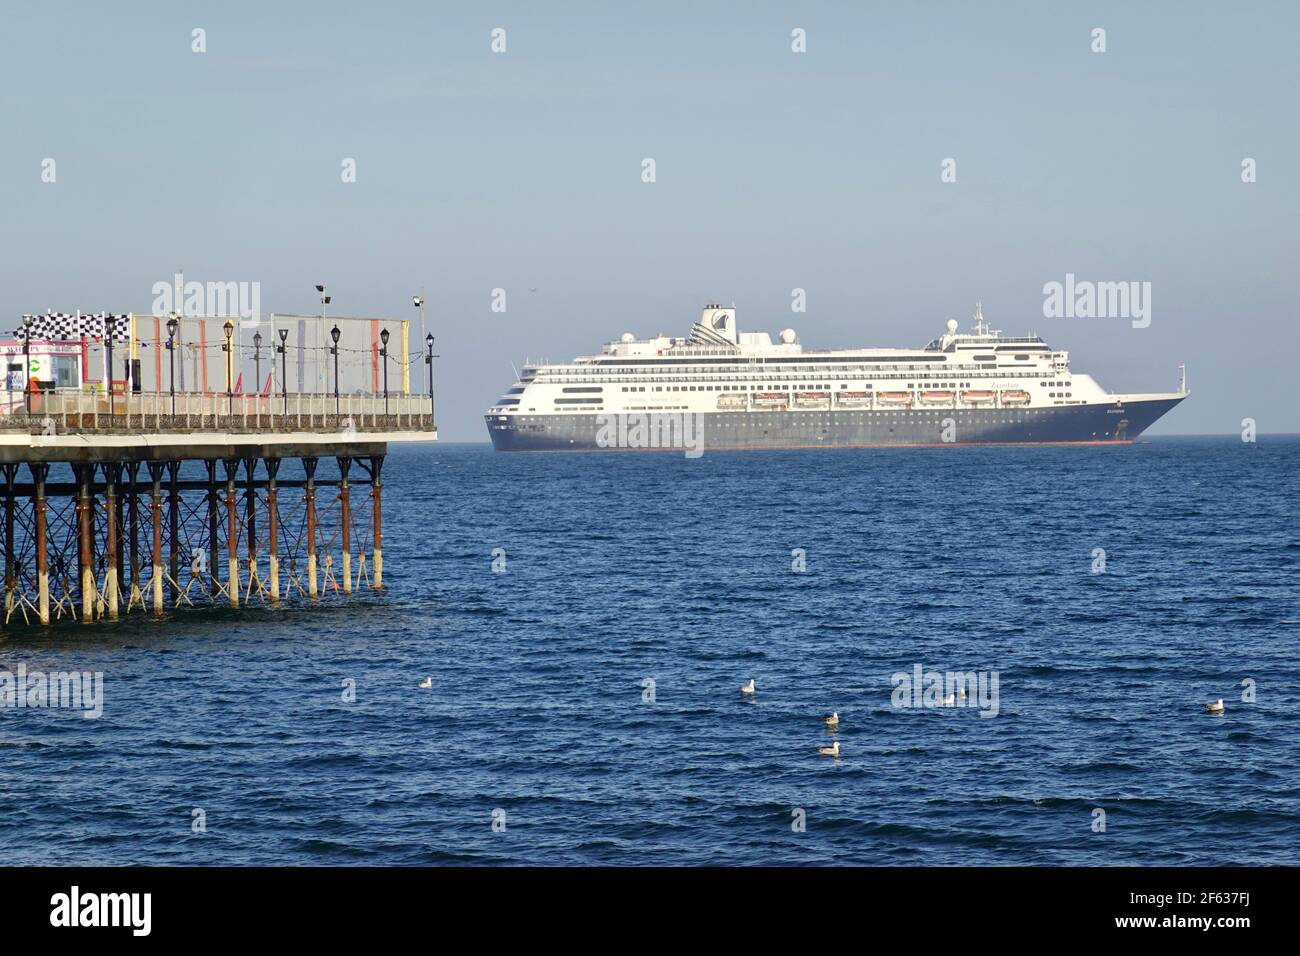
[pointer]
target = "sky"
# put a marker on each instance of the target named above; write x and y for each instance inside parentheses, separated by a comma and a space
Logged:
(522, 170)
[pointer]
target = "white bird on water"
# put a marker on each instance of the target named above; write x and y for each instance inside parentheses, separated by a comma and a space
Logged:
(950, 700)
(832, 751)
(747, 688)
(833, 721)
(426, 684)
(1215, 708)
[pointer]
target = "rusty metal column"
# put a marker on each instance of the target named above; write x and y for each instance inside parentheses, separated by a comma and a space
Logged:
(11, 578)
(232, 533)
(309, 465)
(156, 473)
(214, 525)
(86, 540)
(250, 517)
(133, 523)
(272, 531)
(40, 471)
(345, 521)
(377, 509)
(174, 528)
(112, 473)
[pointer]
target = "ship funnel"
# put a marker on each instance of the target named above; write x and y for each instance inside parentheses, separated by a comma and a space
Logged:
(718, 324)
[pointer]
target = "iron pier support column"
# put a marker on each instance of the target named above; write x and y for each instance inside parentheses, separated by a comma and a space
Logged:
(214, 525)
(11, 578)
(309, 465)
(86, 541)
(133, 522)
(174, 528)
(112, 475)
(250, 518)
(272, 531)
(40, 471)
(232, 532)
(377, 510)
(345, 520)
(155, 474)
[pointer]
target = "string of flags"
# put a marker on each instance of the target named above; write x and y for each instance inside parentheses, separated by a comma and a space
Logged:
(53, 326)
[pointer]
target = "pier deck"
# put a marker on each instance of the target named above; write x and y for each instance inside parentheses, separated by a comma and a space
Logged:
(116, 503)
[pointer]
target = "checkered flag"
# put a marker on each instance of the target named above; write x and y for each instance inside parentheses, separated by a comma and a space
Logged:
(64, 326)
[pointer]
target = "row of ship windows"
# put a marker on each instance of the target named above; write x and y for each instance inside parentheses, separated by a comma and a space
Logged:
(759, 388)
(787, 381)
(574, 382)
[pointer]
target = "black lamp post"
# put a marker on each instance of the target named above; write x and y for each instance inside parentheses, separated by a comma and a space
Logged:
(383, 352)
(334, 350)
(172, 326)
(284, 371)
(257, 362)
(428, 360)
(228, 348)
(108, 347)
(27, 362)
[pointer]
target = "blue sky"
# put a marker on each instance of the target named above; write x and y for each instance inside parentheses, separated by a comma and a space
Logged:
(775, 171)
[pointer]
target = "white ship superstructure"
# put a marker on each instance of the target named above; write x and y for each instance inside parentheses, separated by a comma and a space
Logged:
(755, 392)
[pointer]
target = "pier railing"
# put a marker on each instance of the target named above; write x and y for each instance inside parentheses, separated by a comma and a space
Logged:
(78, 412)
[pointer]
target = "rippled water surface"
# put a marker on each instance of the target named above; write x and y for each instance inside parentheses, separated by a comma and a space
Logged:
(623, 568)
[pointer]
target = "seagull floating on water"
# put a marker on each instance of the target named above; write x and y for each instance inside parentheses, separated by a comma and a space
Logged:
(950, 700)
(747, 688)
(1215, 708)
(833, 721)
(832, 751)
(426, 684)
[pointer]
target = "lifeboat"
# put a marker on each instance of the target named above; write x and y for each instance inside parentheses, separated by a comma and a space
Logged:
(731, 401)
(771, 400)
(894, 398)
(937, 398)
(812, 399)
(971, 397)
(853, 399)
(1015, 396)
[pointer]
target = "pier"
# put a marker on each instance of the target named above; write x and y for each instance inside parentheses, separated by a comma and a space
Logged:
(154, 463)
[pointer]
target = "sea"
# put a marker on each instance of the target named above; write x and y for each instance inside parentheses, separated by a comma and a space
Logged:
(585, 622)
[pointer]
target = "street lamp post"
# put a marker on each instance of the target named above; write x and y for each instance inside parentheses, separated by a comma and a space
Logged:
(418, 302)
(320, 336)
(172, 326)
(383, 352)
(284, 370)
(108, 348)
(257, 363)
(27, 362)
(229, 349)
(334, 350)
(428, 360)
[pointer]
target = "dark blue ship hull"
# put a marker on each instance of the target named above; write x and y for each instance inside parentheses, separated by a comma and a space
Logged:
(1111, 423)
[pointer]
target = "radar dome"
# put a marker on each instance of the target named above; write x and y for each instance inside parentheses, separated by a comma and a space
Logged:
(788, 336)
(629, 337)
(952, 326)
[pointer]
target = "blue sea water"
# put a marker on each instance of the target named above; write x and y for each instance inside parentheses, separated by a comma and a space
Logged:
(623, 568)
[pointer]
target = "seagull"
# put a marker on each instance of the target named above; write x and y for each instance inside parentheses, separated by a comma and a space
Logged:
(748, 688)
(1215, 708)
(426, 684)
(832, 751)
(950, 700)
(833, 721)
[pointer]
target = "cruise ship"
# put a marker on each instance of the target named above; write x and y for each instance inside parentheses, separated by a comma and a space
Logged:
(721, 388)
